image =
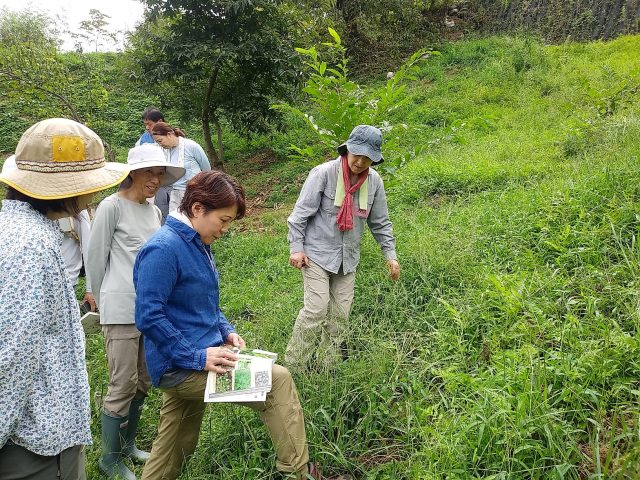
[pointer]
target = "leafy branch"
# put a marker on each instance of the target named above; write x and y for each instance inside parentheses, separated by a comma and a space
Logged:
(31, 84)
(339, 104)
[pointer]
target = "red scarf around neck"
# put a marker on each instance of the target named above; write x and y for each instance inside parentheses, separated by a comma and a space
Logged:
(345, 214)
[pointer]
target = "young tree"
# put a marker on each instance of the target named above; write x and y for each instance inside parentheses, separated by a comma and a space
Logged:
(378, 34)
(95, 30)
(340, 103)
(221, 58)
(30, 64)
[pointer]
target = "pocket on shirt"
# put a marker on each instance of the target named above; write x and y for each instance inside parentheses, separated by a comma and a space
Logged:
(371, 195)
(328, 200)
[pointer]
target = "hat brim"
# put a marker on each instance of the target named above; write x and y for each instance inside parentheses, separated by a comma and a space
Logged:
(172, 172)
(56, 185)
(361, 149)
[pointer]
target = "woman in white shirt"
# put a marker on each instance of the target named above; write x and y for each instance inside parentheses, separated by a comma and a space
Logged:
(124, 221)
(183, 152)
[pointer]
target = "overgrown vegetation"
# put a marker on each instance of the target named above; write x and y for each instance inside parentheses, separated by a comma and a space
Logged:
(509, 348)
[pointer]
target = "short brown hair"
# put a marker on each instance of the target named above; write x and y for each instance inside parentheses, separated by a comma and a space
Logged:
(213, 190)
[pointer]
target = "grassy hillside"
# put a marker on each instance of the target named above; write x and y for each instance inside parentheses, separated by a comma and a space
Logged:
(509, 347)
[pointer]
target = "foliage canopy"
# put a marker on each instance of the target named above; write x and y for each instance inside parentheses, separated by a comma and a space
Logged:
(219, 58)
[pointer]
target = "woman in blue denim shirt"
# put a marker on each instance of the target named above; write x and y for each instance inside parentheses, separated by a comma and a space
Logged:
(178, 312)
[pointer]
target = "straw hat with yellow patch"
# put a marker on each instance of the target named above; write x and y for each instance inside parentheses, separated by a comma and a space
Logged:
(59, 158)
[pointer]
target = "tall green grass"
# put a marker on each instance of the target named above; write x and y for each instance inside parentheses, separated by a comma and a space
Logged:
(509, 348)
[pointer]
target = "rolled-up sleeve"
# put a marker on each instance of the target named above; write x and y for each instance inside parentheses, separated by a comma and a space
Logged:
(154, 276)
(305, 208)
(380, 224)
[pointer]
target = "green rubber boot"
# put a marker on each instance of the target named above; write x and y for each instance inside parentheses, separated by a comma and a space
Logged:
(129, 433)
(111, 463)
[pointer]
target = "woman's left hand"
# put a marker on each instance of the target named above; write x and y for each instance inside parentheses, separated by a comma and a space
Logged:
(235, 340)
(88, 297)
(394, 269)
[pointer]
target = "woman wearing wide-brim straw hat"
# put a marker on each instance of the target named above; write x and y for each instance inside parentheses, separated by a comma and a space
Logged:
(44, 389)
(123, 222)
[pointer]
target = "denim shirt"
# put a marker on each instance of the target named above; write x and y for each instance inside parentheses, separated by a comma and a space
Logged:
(177, 300)
(313, 228)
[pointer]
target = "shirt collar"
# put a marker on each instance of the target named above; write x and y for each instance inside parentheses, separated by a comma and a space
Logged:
(182, 225)
(18, 206)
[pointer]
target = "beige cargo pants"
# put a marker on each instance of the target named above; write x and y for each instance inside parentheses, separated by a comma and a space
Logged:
(318, 329)
(181, 414)
(128, 375)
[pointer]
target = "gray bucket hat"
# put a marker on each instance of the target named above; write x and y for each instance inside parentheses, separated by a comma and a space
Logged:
(364, 140)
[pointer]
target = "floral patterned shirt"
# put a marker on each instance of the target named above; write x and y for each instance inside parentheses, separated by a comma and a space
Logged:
(44, 389)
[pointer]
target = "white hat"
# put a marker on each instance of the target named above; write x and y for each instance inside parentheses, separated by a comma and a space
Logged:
(149, 155)
(59, 158)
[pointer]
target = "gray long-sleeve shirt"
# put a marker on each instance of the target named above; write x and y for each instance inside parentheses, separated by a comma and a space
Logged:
(313, 228)
(119, 230)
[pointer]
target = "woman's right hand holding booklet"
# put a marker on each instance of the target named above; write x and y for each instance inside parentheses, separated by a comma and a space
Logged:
(220, 359)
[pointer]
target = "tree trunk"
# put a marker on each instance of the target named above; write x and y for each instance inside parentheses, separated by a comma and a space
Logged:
(216, 157)
(216, 125)
(208, 143)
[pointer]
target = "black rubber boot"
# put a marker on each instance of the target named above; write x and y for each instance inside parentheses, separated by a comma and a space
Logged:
(111, 463)
(129, 433)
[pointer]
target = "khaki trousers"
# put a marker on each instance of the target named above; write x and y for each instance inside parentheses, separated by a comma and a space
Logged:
(327, 303)
(128, 375)
(17, 462)
(181, 414)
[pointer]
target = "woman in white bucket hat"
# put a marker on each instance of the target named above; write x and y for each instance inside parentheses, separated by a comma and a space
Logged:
(124, 221)
(44, 389)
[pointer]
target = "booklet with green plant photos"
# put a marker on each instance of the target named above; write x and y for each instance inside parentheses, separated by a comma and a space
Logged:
(248, 381)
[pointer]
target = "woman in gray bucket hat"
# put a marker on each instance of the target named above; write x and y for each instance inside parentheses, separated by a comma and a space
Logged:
(337, 200)
(44, 389)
